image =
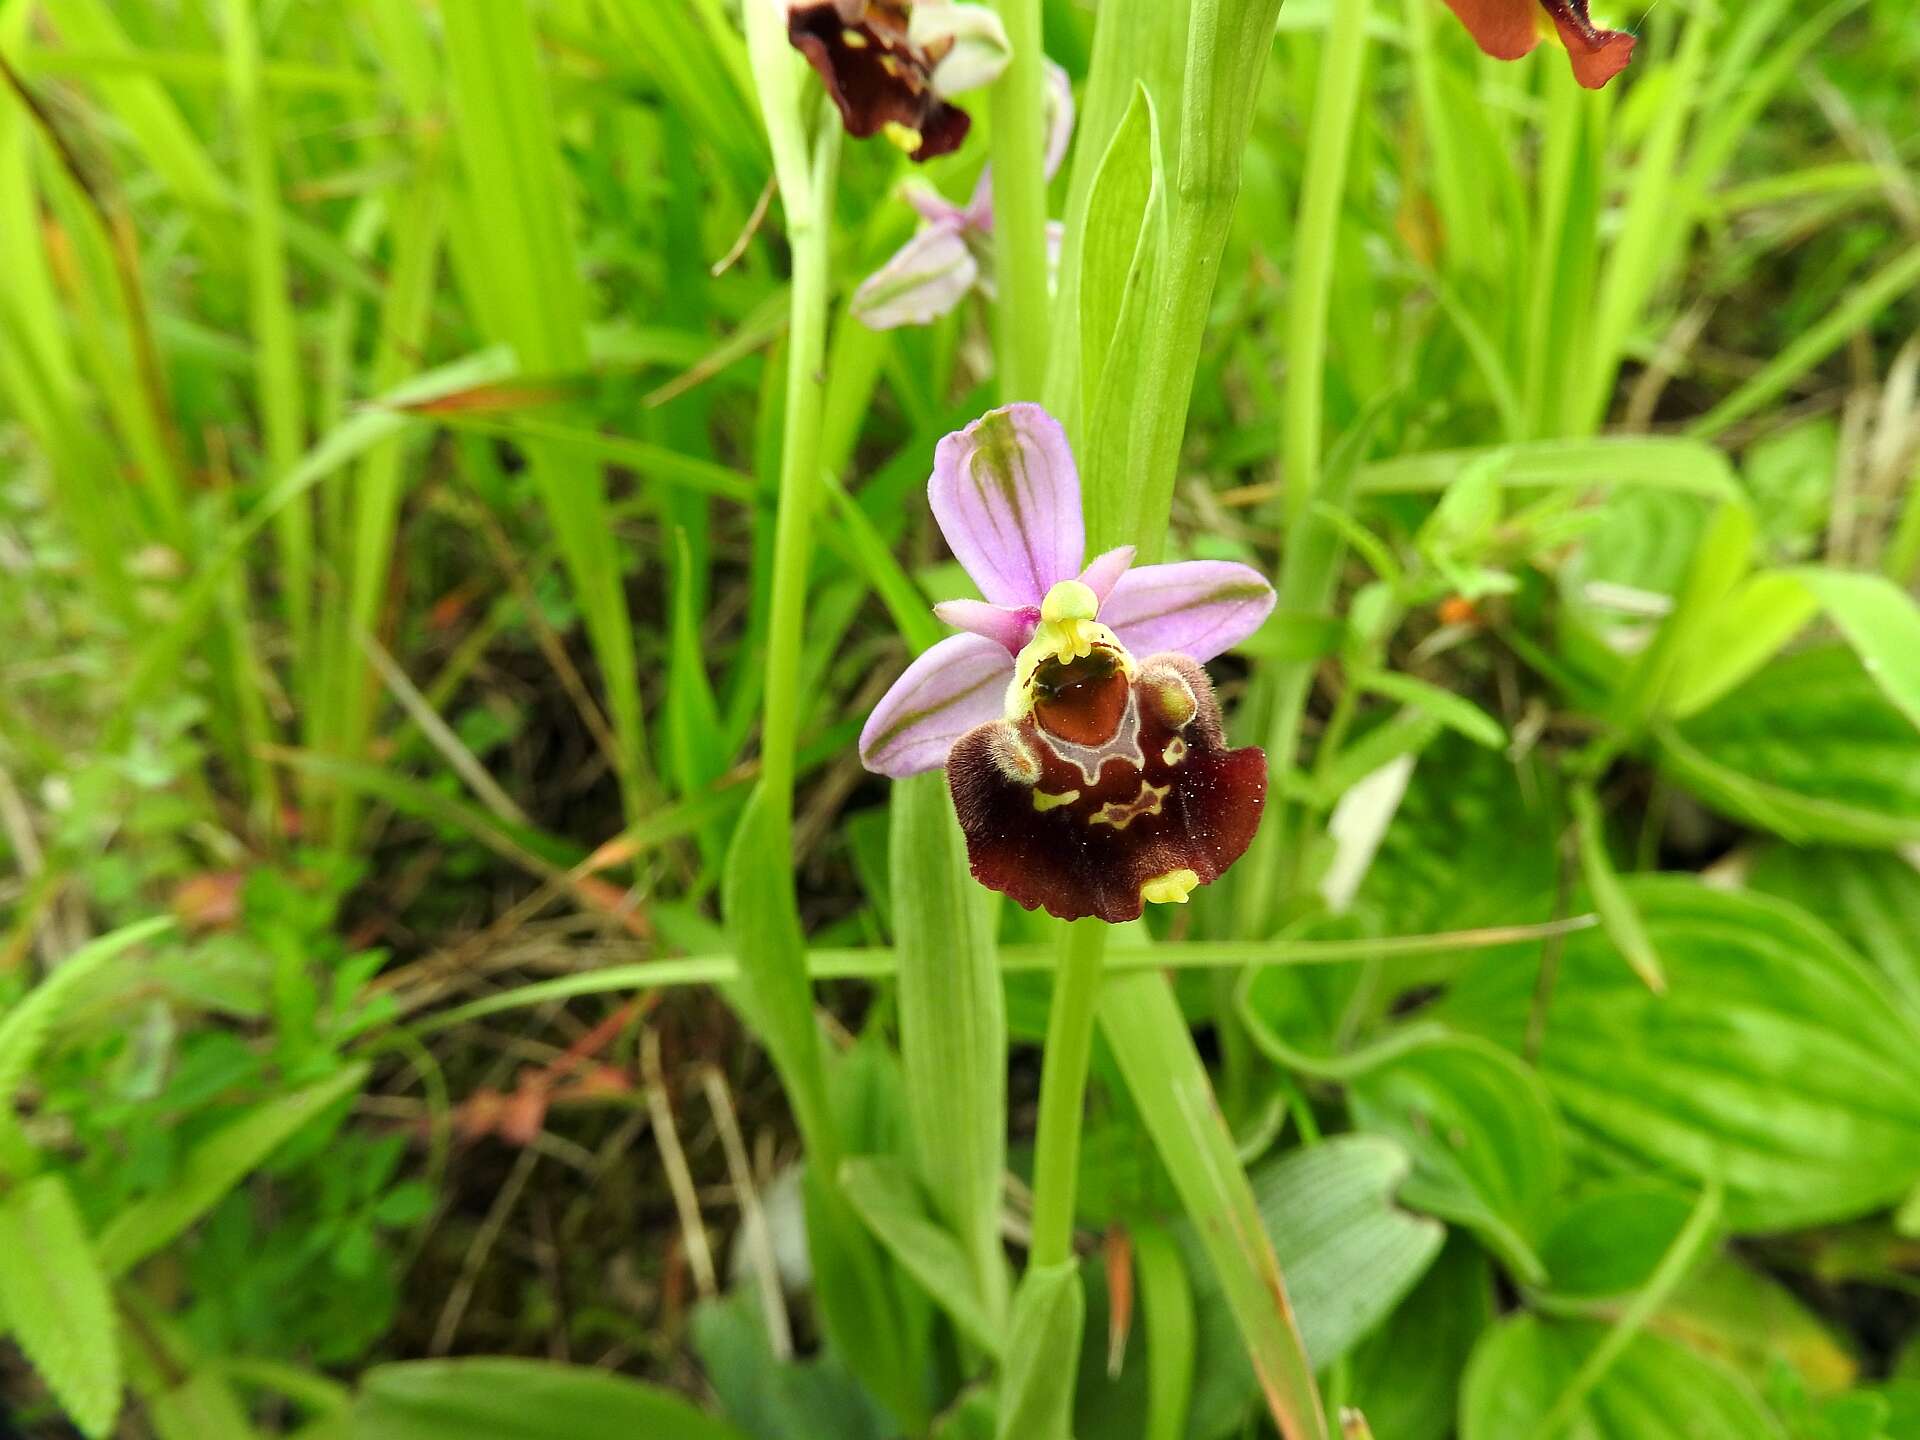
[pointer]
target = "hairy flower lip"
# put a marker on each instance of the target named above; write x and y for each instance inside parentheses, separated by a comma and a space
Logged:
(877, 75)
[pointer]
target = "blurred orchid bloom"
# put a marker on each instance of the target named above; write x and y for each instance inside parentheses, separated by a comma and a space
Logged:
(933, 271)
(1508, 29)
(1081, 737)
(890, 65)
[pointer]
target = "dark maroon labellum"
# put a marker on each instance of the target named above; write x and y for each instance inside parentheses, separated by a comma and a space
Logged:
(1113, 792)
(877, 77)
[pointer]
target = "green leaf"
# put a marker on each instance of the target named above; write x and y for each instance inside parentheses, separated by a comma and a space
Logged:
(1882, 624)
(1607, 1243)
(1808, 748)
(1656, 1390)
(1482, 1135)
(1871, 897)
(1776, 1063)
(883, 1192)
(1155, 1051)
(774, 1399)
(1663, 464)
(1622, 921)
(1451, 710)
(54, 1298)
(25, 1026)
(953, 1032)
(1755, 1324)
(1349, 1253)
(213, 1167)
(503, 1399)
(1747, 629)
(1043, 1343)
(1406, 1375)
(201, 1407)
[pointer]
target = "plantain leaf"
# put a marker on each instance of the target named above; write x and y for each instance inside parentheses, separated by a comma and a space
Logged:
(1871, 898)
(1656, 1390)
(1809, 749)
(54, 1297)
(1776, 1063)
(1483, 1138)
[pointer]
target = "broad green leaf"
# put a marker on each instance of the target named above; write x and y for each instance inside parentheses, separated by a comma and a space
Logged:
(1608, 1243)
(1881, 623)
(54, 1298)
(1348, 1251)
(1155, 1051)
(1871, 897)
(1482, 1135)
(1717, 564)
(1043, 1341)
(1747, 629)
(1754, 1324)
(1776, 1063)
(953, 1031)
(1810, 749)
(213, 1167)
(1656, 1390)
(1406, 1375)
(883, 1192)
(511, 1399)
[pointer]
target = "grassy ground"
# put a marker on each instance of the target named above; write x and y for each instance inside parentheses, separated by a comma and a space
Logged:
(400, 594)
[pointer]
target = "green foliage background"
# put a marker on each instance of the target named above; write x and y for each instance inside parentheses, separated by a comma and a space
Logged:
(457, 980)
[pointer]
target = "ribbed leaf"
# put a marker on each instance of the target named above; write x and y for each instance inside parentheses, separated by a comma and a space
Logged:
(953, 1028)
(1776, 1063)
(55, 1299)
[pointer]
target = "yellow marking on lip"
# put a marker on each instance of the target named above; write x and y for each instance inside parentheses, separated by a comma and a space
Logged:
(1171, 888)
(1043, 801)
(1175, 752)
(853, 40)
(905, 136)
(1121, 814)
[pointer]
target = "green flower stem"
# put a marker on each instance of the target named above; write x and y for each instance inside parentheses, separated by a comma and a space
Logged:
(1020, 206)
(1063, 1088)
(1315, 238)
(806, 194)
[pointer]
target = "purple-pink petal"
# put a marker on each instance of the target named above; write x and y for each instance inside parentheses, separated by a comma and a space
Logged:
(956, 685)
(926, 278)
(1011, 628)
(1105, 569)
(932, 206)
(1196, 607)
(1007, 497)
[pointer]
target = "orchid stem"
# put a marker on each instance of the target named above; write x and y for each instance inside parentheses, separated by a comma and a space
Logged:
(1063, 1090)
(1020, 206)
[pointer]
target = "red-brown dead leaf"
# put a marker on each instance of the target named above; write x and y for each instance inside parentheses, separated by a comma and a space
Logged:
(210, 900)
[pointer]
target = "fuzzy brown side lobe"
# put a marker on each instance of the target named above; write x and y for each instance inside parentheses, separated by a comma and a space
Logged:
(874, 74)
(1065, 857)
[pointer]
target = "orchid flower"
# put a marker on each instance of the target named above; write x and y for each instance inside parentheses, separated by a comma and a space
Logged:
(890, 65)
(1080, 735)
(1508, 29)
(934, 271)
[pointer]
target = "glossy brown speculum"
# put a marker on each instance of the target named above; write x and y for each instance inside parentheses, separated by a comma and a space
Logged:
(1084, 826)
(1082, 701)
(877, 77)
